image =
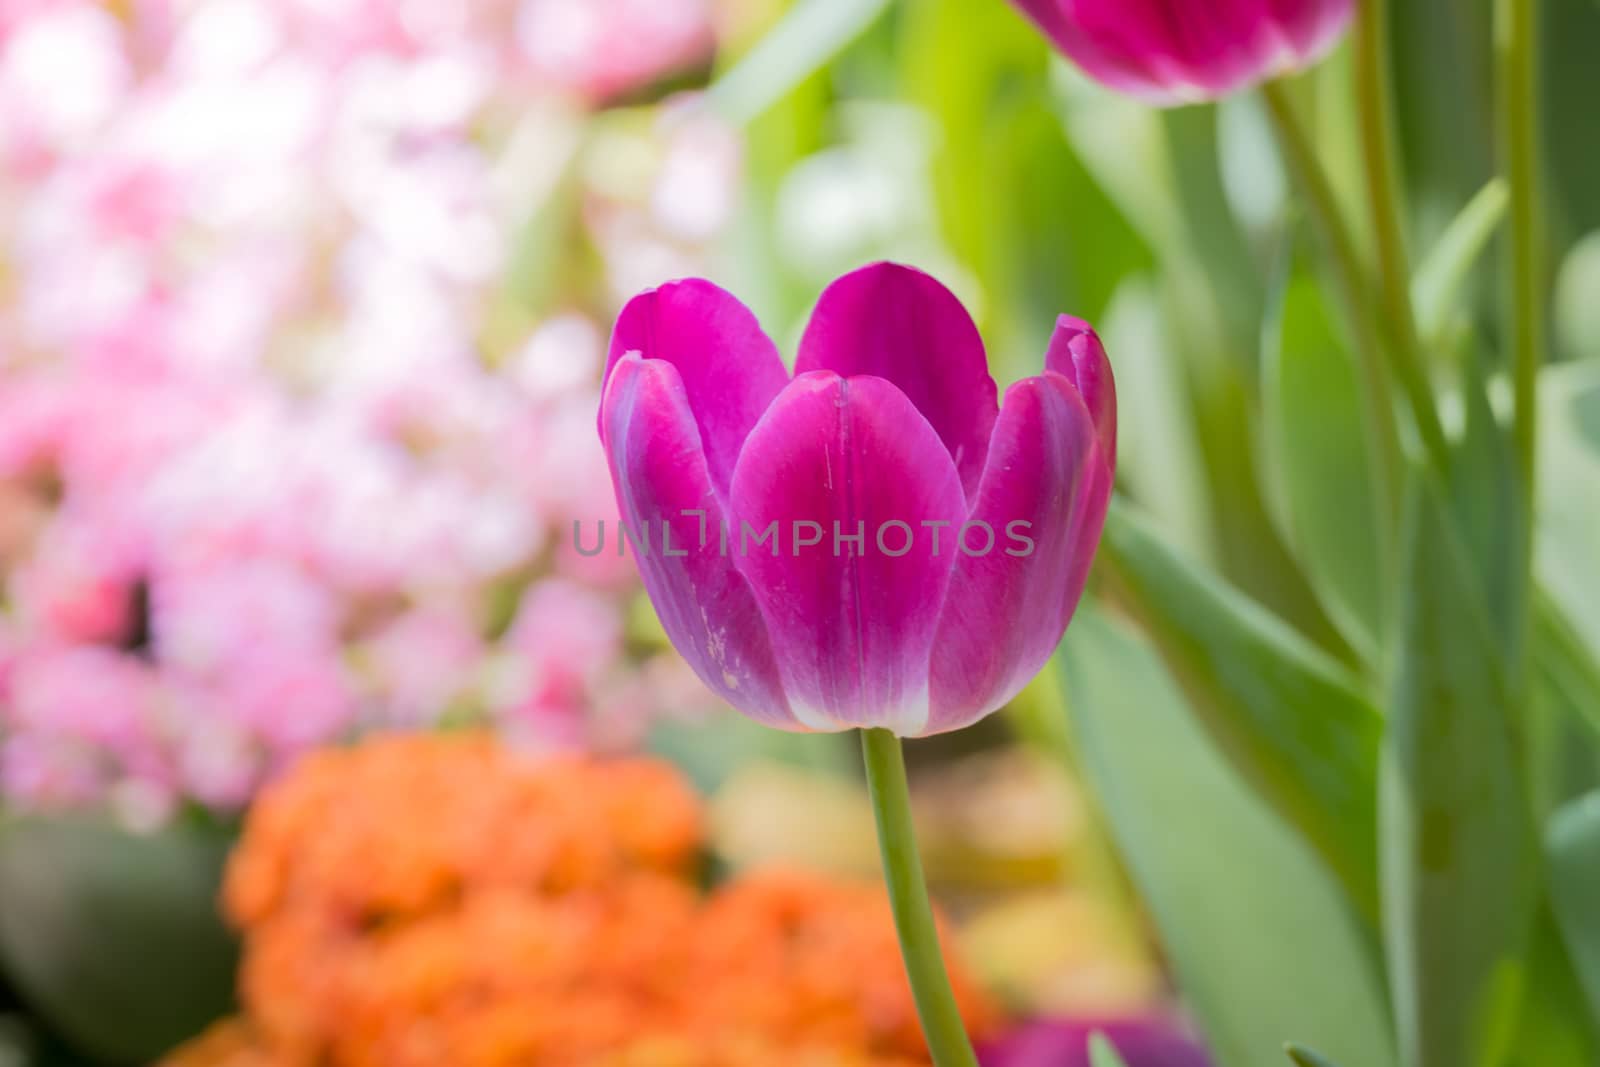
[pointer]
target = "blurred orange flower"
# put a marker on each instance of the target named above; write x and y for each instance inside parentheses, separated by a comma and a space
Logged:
(426, 900)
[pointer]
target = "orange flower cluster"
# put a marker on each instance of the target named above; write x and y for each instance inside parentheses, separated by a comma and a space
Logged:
(444, 902)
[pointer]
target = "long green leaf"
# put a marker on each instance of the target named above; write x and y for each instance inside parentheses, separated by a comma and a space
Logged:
(1577, 314)
(1572, 846)
(1321, 459)
(1457, 849)
(1293, 722)
(1436, 288)
(1442, 64)
(1569, 494)
(1554, 1027)
(1481, 484)
(1563, 727)
(1163, 171)
(1212, 229)
(1260, 939)
(1571, 41)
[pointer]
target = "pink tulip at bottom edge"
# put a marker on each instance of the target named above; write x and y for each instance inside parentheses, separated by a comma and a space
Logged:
(888, 447)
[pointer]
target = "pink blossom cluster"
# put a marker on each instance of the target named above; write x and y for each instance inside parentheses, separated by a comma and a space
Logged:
(286, 450)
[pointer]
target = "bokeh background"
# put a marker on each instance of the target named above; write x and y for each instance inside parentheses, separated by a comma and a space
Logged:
(303, 305)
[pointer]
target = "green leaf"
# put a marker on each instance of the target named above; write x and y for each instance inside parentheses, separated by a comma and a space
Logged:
(1554, 1028)
(1577, 312)
(1260, 939)
(1571, 40)
(1436, 288)
(1481, 481)
(1159, 459)
(1102, 1053)
(1162, 172)
(114, 937)
(1215, 237)
(1563, 726)
(1122, 143)
(1443, 68)
(1222, 389)
(1294, 722)
(1572, 847)
(1307, 1058)
(1569, 494)
(810, 34)
(1457, 851)
(1318, 443)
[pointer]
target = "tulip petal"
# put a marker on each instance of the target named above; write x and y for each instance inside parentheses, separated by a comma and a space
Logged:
(1312, 26)
(1130, 45)
(852, 624)
(900, 324)
(1005, 611)
(666, 497)
(1076, 354)
(729, 367)
(1178, 51)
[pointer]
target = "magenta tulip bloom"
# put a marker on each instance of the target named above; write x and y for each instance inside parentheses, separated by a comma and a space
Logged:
(873, 542)
(1185, 51)
(1150, 1042)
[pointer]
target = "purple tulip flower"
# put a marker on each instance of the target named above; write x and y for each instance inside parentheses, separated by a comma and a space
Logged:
(873, 542)
(1148, 1042)
(1185, 51)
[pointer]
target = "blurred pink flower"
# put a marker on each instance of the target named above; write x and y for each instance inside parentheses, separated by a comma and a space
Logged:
(83, 707)
(218, 763)
(288, 700)
(42, 113)
(575, 481)
(265, 460)
(560, 645)
(422, 661)
(652, 230)
(605, 48)
(697, 190)
(43, 771)
(79, 584)
(562, 357)
(210, 620)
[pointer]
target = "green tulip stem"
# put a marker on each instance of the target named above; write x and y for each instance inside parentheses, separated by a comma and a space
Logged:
(1516, 49)
(908, 896)
(1375, 109)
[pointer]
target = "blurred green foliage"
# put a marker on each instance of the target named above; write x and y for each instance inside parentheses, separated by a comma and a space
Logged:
(114, 937)
(1281, 650)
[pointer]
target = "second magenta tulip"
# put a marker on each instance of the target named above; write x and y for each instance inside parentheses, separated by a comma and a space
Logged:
(1186, 51)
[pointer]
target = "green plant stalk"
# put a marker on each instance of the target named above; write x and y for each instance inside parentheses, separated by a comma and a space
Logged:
(1376, 118)
(1516, 52)
(1383, 435)
(908, 896)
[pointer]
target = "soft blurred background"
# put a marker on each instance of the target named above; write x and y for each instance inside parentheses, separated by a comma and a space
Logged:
(303, 305)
